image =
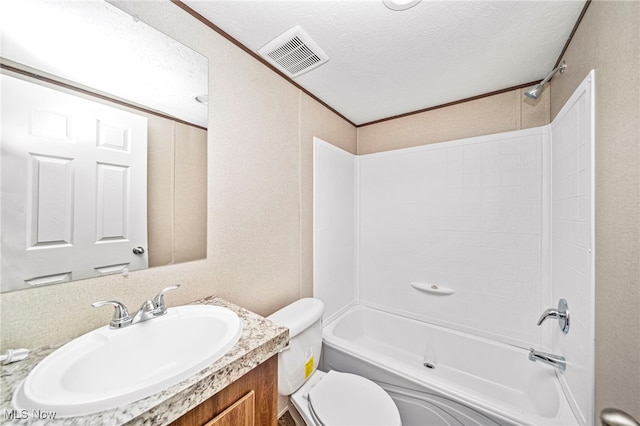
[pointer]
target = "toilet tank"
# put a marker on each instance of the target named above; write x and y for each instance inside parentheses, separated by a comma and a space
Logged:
(300, 358)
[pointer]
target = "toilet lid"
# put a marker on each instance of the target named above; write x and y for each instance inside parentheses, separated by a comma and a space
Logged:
(347, 399)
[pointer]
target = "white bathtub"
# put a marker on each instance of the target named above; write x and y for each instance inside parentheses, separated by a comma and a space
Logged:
(472, 380)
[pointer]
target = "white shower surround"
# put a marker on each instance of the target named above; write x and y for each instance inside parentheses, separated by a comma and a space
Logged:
(467, 215)
(504, 220)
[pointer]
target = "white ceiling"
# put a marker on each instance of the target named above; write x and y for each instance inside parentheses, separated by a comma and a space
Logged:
(385, 63)
(115, 54)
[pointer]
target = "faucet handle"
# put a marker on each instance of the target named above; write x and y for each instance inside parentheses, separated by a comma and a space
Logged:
(161, 308)
(121, 317)
(562, 314)
(548, 313)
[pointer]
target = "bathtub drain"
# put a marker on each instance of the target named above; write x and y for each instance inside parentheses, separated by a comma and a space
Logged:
(429, 365)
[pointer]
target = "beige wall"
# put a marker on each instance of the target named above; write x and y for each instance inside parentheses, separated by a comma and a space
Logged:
(160, 191)
(176, 192)
(190, 211)
(493, 114)
(608, 40)
(258, 245)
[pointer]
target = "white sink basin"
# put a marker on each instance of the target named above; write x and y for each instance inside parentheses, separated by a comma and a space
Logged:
(106, 368)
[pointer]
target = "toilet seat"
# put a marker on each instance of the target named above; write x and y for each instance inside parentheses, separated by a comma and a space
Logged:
(347, 399)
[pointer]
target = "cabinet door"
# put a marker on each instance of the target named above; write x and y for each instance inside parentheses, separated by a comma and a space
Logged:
(256, 391)
(239, 414)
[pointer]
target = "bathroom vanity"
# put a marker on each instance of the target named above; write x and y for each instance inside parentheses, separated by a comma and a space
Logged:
(240, 388)
(250, 400)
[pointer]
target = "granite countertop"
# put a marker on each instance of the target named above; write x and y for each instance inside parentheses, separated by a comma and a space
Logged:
(260, 340)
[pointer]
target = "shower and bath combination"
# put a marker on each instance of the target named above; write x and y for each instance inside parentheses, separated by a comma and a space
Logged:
(534, 92)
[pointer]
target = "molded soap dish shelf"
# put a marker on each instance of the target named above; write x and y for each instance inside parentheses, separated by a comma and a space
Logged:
(433, 289)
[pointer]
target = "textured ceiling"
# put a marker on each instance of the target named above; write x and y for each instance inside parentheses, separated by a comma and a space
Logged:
(115, 54)
(385, 63)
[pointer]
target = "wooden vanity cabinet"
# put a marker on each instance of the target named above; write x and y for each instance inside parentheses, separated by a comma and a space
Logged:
(250, 400)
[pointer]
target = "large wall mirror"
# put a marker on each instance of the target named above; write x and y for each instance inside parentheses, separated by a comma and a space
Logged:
(103, 144)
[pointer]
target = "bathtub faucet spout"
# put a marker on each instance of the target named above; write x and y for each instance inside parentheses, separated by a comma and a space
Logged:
(553, 360)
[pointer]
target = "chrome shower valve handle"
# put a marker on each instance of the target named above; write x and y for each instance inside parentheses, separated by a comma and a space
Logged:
(562, 314)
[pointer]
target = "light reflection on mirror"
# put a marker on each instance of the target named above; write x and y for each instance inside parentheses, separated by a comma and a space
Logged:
(93, 46)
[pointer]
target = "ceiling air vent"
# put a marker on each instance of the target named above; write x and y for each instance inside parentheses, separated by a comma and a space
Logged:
(293, 52)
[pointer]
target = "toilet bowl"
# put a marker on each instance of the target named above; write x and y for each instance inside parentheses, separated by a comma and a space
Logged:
(325, 398)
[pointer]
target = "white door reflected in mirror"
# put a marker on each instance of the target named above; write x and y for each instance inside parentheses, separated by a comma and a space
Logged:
(74, 172)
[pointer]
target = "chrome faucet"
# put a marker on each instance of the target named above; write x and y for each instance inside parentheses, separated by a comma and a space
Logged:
(150, 309)
(562, 314)
(553, 360)
(146, 312)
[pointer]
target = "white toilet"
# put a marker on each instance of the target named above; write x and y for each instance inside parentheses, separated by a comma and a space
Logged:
(325, 399)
